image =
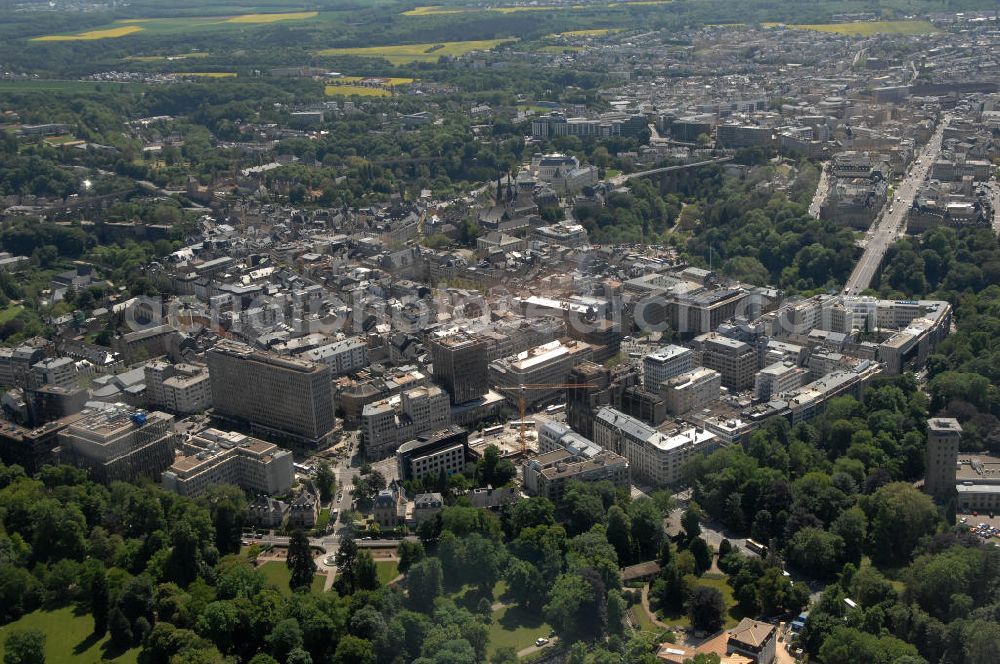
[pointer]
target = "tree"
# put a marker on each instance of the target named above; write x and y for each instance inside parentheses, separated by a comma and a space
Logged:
(702, 555)
(816, 552)
(227, 506)
(285, 637)
(504, 655)
(706, 608)
(573, 606)
(300, 561)
(366, 572)
(24, 647)
(410, 553)
(619, 533)
(898, 515)
(345, 559)
(425, 583)
(352, 650)
(99, 603)
(326, 481)
(690, 520)
(120, 629)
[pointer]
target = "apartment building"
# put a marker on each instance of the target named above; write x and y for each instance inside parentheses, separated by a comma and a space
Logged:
(119, 443)
(691, 390)
(286, 399)
(654, 456)
(665, 363)
(735, 360)
(214, 457)
(387, 423)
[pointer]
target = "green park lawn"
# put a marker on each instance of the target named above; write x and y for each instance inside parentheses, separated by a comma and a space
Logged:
(69, 638)
(717, 581)
(387, 571)
(514, 627)
(277, 574)
(10, 312)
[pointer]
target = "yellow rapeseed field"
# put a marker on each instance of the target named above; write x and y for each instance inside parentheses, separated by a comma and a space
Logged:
(92, 35)
(207, 74)
(272, 18)
(359, 90)
(868, 28)
(401, 54)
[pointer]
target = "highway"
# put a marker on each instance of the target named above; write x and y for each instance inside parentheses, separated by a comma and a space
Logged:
(891, 222)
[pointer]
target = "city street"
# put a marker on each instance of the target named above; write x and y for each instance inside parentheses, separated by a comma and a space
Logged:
(891, 222)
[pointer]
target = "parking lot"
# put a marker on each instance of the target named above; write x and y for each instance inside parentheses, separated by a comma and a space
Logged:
(986, 527)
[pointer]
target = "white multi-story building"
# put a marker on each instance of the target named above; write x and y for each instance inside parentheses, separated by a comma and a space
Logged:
(691, 390)
(119, 443)
(665, 363)
(343, 357)
(178, 388)
(387, 423)
(777, 378)
(654, 456)
(215, 457)
(735, 360)
(548, 364)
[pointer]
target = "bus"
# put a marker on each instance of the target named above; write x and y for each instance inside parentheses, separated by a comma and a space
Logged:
(756, 547)
(491, 431)
(556, 408)
(528, 424)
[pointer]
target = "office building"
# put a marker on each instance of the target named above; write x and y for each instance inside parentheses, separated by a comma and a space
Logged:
(178, 388)
(691, 390)
(943, 437)
(654, 456)
(548, 364)
(735, 360)
(778, 378)
(30, 448)
(119, 443)
(665, 363)
(548, 474)
(444, 451)
(285, 399)
(387, 423)
(58, 371)
(459, 363)
(215, 457)
(343, 357)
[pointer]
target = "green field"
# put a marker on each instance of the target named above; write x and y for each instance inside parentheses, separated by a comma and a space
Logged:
(74, 87)
(440, 10)
(387, 571)
(513, 626)
(10, 312)
(351, 90)
(69, 638)
(278, 575)
(401, 54)
(869, 28)
(717, 581)
(132, 26)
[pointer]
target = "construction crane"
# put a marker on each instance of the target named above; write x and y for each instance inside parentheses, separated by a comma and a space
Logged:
(520, 390)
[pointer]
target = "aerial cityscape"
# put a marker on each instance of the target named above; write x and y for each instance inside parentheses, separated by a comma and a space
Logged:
(499, 331)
